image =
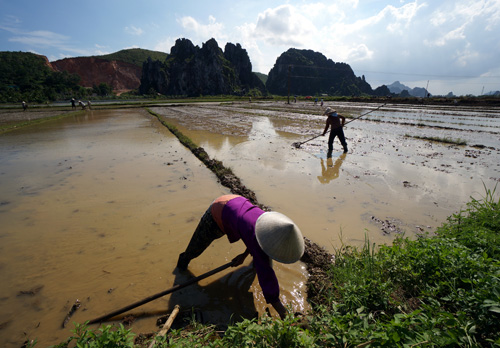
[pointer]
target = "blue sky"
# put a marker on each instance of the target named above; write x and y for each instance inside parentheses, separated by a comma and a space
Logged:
(447, 45)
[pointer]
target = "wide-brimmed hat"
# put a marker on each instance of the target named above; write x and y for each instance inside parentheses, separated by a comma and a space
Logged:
(279, 237)
(329, 111)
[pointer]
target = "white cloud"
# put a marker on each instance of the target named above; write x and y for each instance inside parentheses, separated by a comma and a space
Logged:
(463, 57)
(46, 39)
(132, 30)
(330, 29)
(101, 50)
(492, 14)
(285, 25)
(40, 38)
(400, 19)
(255, 49)
(453, 22)
(165, 44)
(10, 23)
(455, 34)
(493, 72)
(204, 32)
(359, 53)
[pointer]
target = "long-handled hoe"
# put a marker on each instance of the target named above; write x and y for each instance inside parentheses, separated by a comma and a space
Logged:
(160, 294)
(298, 144)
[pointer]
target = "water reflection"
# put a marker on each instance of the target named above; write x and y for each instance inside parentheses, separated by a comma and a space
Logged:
(330, 171)
(262, 128)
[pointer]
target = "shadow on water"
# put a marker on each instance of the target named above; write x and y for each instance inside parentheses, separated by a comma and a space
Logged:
(220, 302)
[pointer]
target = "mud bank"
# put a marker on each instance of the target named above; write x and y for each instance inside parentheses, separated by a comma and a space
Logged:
(316, 258)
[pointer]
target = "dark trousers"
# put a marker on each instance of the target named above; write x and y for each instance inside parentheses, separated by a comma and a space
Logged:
(337, 132)
(206, 232)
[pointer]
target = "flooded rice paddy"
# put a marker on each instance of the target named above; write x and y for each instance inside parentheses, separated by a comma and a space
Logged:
(97, 207)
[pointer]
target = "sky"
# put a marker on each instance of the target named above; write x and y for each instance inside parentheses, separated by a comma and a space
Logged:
(444, 45)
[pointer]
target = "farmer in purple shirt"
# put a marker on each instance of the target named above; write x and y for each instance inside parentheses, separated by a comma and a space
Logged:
(267, 235)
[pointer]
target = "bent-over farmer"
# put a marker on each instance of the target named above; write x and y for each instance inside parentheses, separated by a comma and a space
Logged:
(336, 121)
(267, 235)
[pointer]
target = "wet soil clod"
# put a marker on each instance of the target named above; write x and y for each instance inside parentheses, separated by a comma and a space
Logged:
(72, 311)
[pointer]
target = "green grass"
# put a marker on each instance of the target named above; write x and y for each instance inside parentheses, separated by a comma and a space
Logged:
(441, 290)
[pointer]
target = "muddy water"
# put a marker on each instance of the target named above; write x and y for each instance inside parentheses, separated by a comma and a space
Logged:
(97, 208)
(389, 183)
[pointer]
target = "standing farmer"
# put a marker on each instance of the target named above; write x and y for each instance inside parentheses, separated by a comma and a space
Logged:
(267, 235)
(335, 121)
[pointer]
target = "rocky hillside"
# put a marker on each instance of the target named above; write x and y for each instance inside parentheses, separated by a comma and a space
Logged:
(187, 71)
(306, 72)
(121, 76)
(193, 71)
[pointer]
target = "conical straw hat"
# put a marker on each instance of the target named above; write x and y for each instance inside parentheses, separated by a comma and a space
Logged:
(279, 237)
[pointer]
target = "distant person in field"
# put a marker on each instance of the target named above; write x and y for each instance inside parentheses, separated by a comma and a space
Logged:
(82, 104)
(336, 121)
(89, 105)
(73, 105)
(25, 106)
(266, 235)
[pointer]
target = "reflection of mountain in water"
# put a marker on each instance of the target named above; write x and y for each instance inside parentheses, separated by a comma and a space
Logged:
(219, 144)
(262, 144)
(262, 128)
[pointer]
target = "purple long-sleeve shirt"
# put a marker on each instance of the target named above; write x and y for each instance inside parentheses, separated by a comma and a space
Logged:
(236, 217)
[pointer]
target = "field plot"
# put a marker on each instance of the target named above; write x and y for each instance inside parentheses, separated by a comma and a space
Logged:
(392, 180)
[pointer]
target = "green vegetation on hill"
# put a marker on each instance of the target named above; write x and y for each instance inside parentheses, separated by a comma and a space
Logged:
(135, 56)
(26, 76)
(262, 77)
